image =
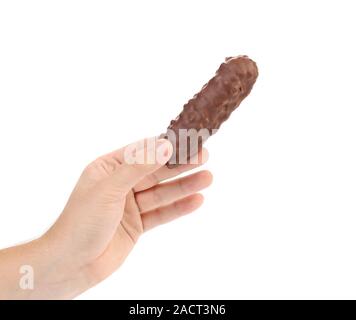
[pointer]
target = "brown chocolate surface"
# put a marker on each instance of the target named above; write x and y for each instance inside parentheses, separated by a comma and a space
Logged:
(213, 105)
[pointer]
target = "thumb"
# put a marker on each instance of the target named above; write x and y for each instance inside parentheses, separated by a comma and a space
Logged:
(140, 160)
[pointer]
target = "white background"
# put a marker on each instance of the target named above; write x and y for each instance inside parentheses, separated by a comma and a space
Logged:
(82, 78)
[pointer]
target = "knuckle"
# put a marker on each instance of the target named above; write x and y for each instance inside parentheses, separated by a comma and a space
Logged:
(182, 186)
(99, 166)
(156, 196)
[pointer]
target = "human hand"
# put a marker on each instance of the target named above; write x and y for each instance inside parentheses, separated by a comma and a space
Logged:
(111, 206)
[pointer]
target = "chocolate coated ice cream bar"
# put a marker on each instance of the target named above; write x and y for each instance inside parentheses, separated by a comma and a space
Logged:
(207, 110)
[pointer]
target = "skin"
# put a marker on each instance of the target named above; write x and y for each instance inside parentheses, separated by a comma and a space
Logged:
(111, 206)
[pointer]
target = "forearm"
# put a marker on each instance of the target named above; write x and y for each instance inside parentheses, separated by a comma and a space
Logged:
(35, 271)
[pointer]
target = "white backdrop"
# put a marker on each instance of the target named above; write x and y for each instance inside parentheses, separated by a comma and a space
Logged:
(81, 78)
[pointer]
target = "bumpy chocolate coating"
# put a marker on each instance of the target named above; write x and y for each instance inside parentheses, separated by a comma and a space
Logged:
(213, 105)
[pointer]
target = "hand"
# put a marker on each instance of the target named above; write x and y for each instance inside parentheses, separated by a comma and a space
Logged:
(112, 204)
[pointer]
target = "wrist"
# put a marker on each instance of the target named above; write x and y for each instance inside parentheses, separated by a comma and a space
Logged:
(35, 271)
(56, 276)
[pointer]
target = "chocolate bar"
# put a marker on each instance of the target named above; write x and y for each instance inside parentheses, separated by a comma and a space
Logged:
(203, 115)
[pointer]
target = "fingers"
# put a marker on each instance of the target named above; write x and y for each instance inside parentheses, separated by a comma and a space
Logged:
(119, 156)
(166, 193)
(165, 173)
(108, 163)
(171, 212)
(143, 162)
